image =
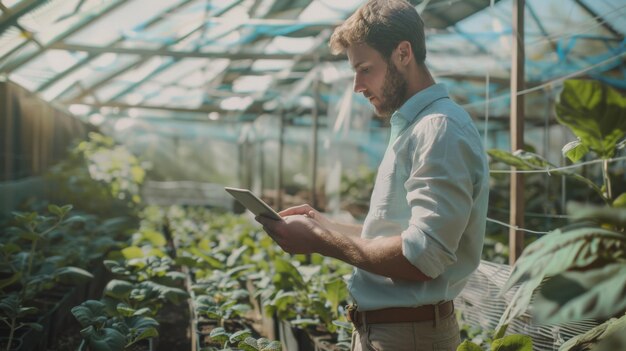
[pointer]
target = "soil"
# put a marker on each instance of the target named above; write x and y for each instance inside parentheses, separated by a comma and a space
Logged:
(68, 339)
(174, 328)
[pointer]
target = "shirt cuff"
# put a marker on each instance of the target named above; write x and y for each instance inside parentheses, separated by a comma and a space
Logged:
(425, 253)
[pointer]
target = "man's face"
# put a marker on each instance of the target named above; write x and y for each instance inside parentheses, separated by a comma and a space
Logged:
(378, 80)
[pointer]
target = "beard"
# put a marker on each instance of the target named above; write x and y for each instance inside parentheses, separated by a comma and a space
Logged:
(393, 92)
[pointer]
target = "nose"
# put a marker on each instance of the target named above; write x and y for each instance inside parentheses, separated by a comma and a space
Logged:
(358, 85)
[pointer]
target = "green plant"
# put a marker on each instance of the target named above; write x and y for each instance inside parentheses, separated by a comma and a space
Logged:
(127, 298)
(154, 268)
(596, 114)
(355, 189)
(580, 269)
(11, 311)
(104, 331)
(500, 342)
(243, 340)
(99, 176)
(304, 299)
(26, 255)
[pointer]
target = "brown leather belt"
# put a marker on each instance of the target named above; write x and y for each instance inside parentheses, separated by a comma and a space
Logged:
(399, 314)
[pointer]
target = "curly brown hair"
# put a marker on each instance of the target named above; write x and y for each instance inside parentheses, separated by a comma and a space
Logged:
(382, 24)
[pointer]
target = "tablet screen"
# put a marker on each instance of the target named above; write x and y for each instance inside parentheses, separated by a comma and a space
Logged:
(253, 203)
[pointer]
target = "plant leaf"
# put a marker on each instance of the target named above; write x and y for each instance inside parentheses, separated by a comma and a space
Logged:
(595, 112)
(620, 201)
(272, 346)
(335, 293)
(514, 342)
(119, 289)
(597, 293)
(73, 275)
(239, 336)
(468, 346)
(559, 251)
(575, 150)
(602, 214)
(105, 339)
(88, 312)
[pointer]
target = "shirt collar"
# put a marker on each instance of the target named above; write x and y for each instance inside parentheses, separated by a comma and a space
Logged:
(418, 102)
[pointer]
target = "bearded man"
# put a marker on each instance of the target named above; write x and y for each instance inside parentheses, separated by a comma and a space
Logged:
(423, 234)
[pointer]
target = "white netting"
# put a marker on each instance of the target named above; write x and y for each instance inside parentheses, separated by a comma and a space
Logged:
(481, 306)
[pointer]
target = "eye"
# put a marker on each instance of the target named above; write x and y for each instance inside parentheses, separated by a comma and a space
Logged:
(365, 70)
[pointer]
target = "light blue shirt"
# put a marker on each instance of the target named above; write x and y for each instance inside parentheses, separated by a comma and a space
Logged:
(432, 189)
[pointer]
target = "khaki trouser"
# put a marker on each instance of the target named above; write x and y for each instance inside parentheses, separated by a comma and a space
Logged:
(442, 334)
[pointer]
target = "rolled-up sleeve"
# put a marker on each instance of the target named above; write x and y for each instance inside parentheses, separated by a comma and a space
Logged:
(439, 193)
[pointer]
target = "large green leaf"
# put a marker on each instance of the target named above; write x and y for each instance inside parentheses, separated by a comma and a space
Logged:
(73, 275)
(235, 255)
(468, 346)
(287, 276)
(239, 336)
(119, 289)
(559, 251)
(598, 293)
(595, 113)
(173, 295)
(513, 342)
(272, 346)
(602, 214)
(554, 254)
(335, 292)
(90, 312)
(105, 339)
(141, 327)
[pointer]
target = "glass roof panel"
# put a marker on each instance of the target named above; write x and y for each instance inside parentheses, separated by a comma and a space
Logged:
(123, 22)
(96, 71)
(271, 65)
(9, 40)
(290, 45)
(251, 84)
(25, 50)
(56, 17)
(48, 65)
(10, 3)
(611, 11)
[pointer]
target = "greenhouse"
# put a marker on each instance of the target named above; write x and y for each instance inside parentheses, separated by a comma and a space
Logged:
(126, 124)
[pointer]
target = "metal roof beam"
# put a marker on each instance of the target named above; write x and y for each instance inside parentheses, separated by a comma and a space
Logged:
(187, 54)
(599, 19)
(10, 16)
(82, 24)
(256, 107)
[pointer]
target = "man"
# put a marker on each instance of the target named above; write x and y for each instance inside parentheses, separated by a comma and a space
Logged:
(424, 231)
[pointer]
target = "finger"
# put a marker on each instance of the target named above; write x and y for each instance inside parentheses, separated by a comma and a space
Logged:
(295, 210)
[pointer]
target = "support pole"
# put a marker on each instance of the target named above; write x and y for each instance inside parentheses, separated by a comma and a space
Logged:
(279, 170)
(315, 116)
(516, 219)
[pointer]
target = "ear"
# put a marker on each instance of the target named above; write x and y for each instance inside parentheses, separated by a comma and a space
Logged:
(404, 53)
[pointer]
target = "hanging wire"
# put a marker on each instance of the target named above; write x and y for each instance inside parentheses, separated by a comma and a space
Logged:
(515, 227)
(616, 159)
(551, 82)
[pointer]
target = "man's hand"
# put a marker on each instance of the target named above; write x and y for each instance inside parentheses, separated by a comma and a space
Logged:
(309, 211)
(296, 234)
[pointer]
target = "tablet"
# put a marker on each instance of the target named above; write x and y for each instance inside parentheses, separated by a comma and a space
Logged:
(253, 203)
